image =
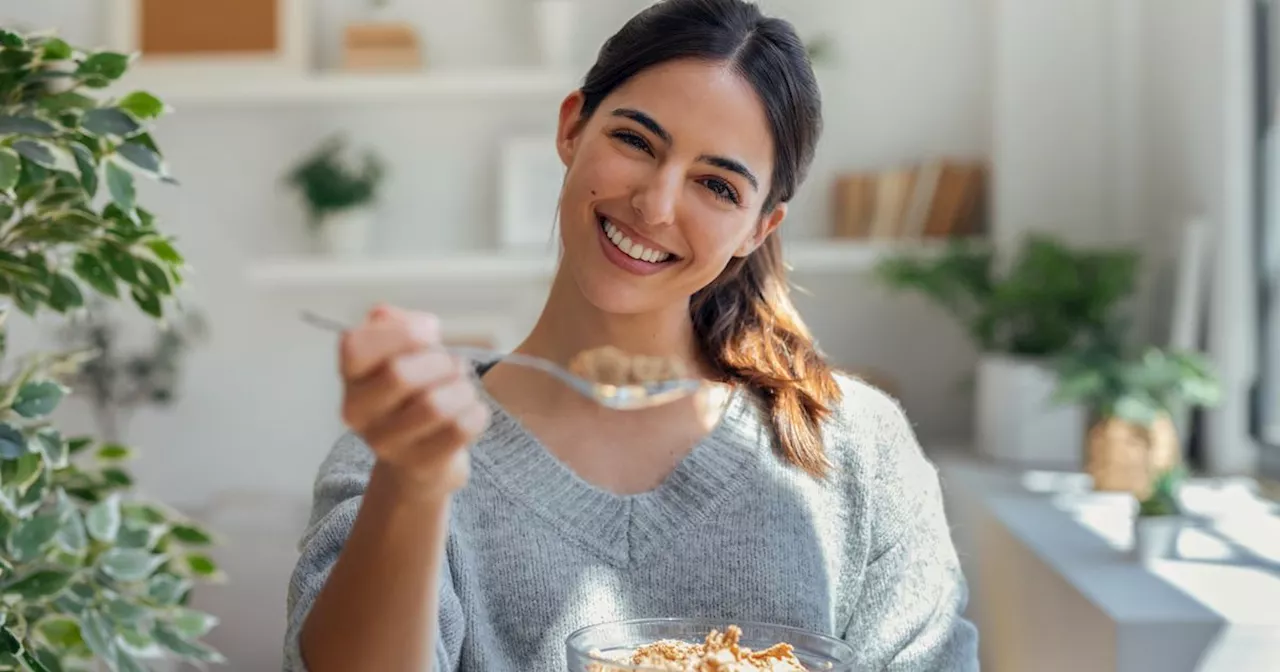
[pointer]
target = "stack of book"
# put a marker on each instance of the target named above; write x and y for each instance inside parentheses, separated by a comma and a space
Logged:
(941, 198)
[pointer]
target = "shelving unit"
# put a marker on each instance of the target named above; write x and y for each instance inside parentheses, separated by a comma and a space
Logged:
(835, 256)
(271, 88)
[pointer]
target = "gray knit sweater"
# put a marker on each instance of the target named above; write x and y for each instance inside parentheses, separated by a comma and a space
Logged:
(534, 552)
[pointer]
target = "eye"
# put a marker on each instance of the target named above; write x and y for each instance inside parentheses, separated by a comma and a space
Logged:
(633, 139)
(722, 190)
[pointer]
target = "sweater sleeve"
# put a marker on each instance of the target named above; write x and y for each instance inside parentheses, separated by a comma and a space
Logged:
(339, 486)
(909, 616)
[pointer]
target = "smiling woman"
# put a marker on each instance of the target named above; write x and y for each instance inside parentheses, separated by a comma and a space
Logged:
(497, 511)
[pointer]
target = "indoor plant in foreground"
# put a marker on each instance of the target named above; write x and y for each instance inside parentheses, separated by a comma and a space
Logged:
(1048, 299)
(91, 576)
(340, 190)
(1133, 397)
(1159, 517)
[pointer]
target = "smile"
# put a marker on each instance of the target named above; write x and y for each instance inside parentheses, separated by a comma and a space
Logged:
(633, 249)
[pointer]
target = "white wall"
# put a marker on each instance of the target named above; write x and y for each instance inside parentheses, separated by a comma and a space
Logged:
(258, 408)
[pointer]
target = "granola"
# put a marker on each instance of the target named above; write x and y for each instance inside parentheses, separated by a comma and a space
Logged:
(720, 652)
(613, 366)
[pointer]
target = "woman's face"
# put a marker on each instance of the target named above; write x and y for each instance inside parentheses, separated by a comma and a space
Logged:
(665, 184)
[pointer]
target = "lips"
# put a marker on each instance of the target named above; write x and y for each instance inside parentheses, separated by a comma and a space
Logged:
(633, 248)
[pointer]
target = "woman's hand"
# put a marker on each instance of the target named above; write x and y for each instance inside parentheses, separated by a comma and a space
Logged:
(410, 400)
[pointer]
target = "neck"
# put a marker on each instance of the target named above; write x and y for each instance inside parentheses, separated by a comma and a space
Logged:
(569, 324)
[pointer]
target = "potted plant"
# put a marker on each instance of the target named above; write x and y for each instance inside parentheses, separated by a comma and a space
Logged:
(91, 574)
(1133, 398)
(340, 190)
(1159, 518)
(1020, 317)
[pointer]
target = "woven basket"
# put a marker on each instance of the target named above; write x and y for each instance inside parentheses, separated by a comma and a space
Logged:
(1124, 457)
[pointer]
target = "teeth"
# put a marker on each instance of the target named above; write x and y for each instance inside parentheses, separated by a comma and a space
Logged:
(632, 249)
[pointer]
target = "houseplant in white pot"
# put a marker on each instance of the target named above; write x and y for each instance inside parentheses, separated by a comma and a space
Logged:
(1132, 398)
(92, 575)
(340, 189)
(1020, 318)
(1159, 519)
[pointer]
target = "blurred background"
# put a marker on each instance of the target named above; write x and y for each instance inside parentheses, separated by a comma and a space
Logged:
(1028, 164)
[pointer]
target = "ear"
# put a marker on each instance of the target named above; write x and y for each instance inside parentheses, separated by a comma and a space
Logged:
(569, 128)
(768, 224)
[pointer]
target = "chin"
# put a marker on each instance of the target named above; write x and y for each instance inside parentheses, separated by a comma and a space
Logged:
(613, 284)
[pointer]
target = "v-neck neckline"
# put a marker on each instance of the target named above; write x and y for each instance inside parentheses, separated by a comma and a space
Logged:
(623, 529)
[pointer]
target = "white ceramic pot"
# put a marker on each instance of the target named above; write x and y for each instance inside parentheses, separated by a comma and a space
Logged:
(556, 26)
(345, 233)
(1156, 537)
(1017, 421)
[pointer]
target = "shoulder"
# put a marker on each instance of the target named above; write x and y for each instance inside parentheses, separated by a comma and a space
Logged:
(874, 447)
(343, 475)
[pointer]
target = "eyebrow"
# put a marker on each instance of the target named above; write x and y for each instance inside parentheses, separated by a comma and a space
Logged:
(654, 127)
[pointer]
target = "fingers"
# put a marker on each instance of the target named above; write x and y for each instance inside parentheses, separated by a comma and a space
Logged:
(388, 333)
(380, 393)
(442, 417)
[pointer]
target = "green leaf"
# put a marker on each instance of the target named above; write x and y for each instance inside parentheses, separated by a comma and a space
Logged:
(38, 398)
(191, 535)
(56, 50)
(202, 565)
(66, 101)
(87, 164)
(12, 442)
(71, 533)
(64, 293)
(156, 277)
(114, 452)
(34, 663)
(78, 444)
(127, 663)
(30, 540)
(103, 66)
(165, 251)
(110, 122)
(52, 447)
(10, 169)
(130, 564)
(171, 640)
(97, 634)
(167, 589)
(123, 264)
(9, 642)
(38, 152)
(103, 519)
(120, 184)
(147, 301)
(192, 624)
(22, 472)
(142, 105)
(50, 659)
(116, 478)
(135, 537)
(38, 585)
(91, 269)
(11, 125)
(12, 40)
(61, 631)
(143, 158)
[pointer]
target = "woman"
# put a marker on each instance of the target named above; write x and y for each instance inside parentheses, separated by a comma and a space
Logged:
(476, 515)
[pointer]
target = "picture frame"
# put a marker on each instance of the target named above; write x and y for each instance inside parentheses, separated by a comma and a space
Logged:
(185, 37)
(531, 179)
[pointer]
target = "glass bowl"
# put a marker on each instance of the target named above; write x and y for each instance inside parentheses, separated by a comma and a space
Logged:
(593, 648)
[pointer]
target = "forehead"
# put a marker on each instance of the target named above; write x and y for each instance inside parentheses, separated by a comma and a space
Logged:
(707, 107)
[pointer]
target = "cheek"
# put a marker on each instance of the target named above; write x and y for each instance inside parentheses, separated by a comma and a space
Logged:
(598, 171)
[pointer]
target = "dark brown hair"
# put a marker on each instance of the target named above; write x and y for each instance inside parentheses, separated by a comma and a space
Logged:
(745, 321)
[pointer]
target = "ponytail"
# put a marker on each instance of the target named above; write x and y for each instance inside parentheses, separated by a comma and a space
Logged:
(751, 333)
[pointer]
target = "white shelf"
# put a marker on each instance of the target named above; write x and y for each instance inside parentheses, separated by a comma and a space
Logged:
(266, 87)
(508, 268)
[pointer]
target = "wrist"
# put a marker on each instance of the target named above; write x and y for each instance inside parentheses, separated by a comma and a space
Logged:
(402, 485)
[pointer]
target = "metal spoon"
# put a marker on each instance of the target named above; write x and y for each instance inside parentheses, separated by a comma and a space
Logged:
(620, 397)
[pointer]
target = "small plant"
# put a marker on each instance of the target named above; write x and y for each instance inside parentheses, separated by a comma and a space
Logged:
(115, 382)
(1163, 500)
(333, 179)
(1051, 298)
(91, 575)
(1138, 389)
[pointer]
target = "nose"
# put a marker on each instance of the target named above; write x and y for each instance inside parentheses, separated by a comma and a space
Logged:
(655, 200)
